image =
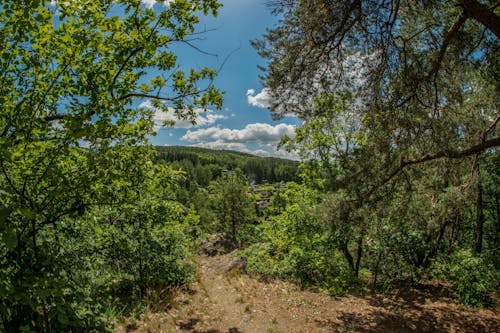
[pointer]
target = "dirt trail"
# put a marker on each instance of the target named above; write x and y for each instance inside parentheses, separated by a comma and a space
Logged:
(233, 303)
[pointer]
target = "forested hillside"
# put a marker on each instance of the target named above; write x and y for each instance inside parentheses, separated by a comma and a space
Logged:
(203, 165)
(395, 203)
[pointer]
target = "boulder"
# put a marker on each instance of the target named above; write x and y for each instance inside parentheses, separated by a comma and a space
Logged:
(237, 266)
(217, 244)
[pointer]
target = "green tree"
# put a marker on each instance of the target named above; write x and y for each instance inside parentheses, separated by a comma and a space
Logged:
(423, 75)
(399, 102)
(233, 206)
(72, 73)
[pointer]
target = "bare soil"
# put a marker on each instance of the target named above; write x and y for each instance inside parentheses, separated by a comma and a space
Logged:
(235, 303)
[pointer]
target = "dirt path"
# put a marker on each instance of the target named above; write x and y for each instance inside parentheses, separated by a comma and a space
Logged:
(234, 303)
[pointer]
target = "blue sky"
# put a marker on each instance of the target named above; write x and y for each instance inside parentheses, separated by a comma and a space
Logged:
(244, 123)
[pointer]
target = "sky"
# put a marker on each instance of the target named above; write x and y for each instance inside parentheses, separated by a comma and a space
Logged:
(244, 123)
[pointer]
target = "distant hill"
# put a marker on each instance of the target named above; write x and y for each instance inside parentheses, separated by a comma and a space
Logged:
(204, 165)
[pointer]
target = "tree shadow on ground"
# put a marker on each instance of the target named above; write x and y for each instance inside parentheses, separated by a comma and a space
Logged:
(131, 327)
(231, 330)
(405, 311)
(191, 323)
(381, 321)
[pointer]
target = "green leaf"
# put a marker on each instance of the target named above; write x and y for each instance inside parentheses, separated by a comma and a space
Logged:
(4, 214)
(9, 238)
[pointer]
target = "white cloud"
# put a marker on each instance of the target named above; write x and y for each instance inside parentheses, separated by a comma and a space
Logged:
(148, 3)
(259, 133)
(202, 117)
(151, 3)
(262, 137)
(290, 155)
(261, 100)
(220, 145)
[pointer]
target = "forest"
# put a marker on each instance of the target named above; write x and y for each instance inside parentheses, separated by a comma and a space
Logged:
(398, 181)
(203, 165)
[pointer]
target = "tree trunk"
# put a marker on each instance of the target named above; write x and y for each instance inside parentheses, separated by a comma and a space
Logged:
(479, 212)
(497, 209)
(482, 14)
(376, 270)
(358, 256)
(347, 254)
(454, 232)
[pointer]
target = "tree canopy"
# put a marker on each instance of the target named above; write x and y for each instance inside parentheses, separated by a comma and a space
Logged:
(71, 133)
(417, 82)
(412, 67)
(399, 102)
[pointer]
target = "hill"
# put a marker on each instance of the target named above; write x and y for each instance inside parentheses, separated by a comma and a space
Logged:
(203, 165)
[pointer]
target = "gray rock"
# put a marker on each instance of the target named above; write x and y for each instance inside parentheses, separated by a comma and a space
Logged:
(217, 244)
(238, 265)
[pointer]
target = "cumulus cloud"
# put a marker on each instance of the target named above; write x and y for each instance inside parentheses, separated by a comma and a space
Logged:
(259, 133)
(220, 145)
(261, 100)
(148, 3)
(151, 3)
(202, 117)
(290, 155)
(257, 139)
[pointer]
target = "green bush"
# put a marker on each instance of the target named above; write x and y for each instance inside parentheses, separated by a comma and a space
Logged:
(297, 247)
(473, 277)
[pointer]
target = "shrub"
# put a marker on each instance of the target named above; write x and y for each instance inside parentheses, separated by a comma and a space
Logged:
(473, 277)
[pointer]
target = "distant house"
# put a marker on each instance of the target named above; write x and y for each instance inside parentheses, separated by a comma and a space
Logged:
(262, 204)
(264, 194)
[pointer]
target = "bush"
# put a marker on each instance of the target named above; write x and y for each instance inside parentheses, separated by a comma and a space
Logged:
(297, 247)
(473, 277)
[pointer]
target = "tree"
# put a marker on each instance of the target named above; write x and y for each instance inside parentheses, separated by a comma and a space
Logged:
(72, 73)
(423, 77)
(399, 103)
(232, 204)
(407, 54)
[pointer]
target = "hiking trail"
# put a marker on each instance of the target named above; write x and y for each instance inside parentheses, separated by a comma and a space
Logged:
(221, 302)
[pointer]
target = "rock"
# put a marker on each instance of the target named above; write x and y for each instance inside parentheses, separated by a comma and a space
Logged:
(238, 265)
(216, 244)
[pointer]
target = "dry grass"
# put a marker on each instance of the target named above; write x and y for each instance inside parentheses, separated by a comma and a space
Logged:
(227, 303)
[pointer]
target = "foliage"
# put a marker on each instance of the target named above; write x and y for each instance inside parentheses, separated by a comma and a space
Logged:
(204, 165)
(71, 73)
(234, 209)
(295, 245)
(473, 278)
(399, 110)
(146, 241)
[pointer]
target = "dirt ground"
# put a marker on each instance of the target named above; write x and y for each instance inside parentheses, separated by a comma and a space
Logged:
(235, 303)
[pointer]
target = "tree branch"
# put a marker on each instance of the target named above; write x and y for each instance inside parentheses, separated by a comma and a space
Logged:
(449, 36)
(490, 129)
(476, 149)
(122, 67)
(482, 14)
(140, 95)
